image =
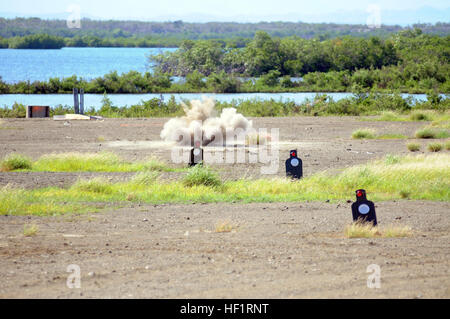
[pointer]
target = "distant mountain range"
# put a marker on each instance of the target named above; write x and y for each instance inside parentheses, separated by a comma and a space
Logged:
(388, 17)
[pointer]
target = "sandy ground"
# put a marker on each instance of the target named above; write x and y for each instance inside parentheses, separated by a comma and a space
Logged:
(276, 250)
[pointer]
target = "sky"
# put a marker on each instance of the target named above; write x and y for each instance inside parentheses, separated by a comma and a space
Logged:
(351, 11)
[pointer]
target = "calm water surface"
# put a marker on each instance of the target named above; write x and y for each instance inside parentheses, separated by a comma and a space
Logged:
(88, 63)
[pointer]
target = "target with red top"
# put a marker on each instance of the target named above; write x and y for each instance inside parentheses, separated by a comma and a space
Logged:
(363, 209)
(294, 165)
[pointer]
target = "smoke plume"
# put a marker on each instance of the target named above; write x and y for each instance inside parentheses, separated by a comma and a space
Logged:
(201, 122)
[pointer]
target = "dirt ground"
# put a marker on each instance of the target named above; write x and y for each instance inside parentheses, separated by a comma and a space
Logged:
(276, 250)
(322, 143)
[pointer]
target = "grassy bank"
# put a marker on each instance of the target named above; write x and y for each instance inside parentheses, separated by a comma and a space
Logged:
(387, 107)
(421, 177)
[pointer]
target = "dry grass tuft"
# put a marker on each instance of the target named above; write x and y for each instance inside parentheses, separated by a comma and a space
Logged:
(413, 147)
(225, 227)
(367, 230)
(30, 230)
(434, 147)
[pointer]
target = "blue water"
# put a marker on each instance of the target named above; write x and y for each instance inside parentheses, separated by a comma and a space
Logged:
(95, 100)
(88, 63)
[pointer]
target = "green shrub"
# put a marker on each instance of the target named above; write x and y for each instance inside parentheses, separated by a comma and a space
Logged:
(419, 116)
(413, 147)
(434, 147)
(15, 162)
(363, 134)
(432, 133)
(200, 175)
(404, 194)
(425, 133)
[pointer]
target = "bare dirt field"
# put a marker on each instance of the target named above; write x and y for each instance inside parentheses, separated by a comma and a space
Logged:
(275, 250)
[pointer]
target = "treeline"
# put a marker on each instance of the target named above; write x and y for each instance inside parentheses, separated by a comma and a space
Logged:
(321, 104)
(36, 41)
(384, 80)
(45, 41)
(409, 61)
(195, 31)
(406, 60)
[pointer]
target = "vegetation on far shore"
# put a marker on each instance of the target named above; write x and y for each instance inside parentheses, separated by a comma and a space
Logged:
(398, 108)
(420, 177)
(409, 61)
(114, 33)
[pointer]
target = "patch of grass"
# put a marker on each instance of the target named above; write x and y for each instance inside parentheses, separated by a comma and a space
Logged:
(437, 117)
(367, 230)
(30, 230)
(444, 124)
(447, 145)
(392, 159)
(96, 185)
(153, 164)
(425, 133)
(404, 194)
(413, 147)
(131, 197)
(434, 147)
(363, 134)
(201, 175)
(101, 138)
(432, 133)
(391, 136)
(419, 177)
(41, 202)
(420, 116)
(14, 162)
(145, 178)
(396, 231)
(225, 227)
(390, 116)
(361, 230)
(83, 162)
(79, 162)
(442, 134)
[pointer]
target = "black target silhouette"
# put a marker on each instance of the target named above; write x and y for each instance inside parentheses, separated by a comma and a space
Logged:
(294, 166)
(363, 209)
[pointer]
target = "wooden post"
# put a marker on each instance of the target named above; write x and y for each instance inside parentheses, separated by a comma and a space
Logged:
(75, 101)
(81, 101)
